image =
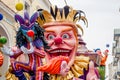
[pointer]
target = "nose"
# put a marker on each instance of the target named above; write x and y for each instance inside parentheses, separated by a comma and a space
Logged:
(30, 33)
(58, 40)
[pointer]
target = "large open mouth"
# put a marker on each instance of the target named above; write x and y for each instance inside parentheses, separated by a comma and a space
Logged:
(59, 51)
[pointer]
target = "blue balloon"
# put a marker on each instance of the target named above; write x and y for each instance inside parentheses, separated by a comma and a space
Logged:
(1, 16)
(107, 45)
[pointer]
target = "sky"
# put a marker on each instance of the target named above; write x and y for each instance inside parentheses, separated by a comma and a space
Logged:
(103, 17)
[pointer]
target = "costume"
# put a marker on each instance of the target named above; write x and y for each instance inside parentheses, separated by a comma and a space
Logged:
(102, 63)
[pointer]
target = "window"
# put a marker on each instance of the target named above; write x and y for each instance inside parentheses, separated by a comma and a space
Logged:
(119, 66)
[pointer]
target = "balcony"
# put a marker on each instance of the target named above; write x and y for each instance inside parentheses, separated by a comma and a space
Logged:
(115, 61)
(116, 34)
(113, 51)
(117, 31)
(118, 72)
(117, 52)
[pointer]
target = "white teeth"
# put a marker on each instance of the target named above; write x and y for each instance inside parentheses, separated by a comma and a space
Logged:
(60, 51)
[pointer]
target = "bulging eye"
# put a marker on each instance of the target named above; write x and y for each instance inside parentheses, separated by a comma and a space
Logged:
(50, 37)
(65, 36)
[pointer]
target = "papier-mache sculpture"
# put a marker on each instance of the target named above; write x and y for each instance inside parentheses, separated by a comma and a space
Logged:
(66, 54)
(29, 41)
(64, 61)
(103, 56)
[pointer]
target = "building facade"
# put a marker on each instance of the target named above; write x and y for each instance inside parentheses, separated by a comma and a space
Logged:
(7, 29)
(116, 54)
(8, 26)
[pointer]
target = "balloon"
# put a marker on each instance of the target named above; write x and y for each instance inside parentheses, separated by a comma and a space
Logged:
(1, 16)
(3, 40)
(19, 6)
(30, 33)
(107, 50)
(107, 45)
(1, 59)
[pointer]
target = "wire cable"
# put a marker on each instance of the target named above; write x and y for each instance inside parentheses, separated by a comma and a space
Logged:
(65, 2)
(49, 2)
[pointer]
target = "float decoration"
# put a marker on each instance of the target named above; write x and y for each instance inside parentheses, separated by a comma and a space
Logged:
(53, 67)
(3, 40)
(1, 16)
(29, 41)
(102, 66)
(19, 6)
(1, 59)
(61, 33)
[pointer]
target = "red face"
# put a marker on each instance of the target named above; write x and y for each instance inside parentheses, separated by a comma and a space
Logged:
(61, 39)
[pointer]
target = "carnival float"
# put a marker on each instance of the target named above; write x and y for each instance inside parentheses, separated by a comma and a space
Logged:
(54, 47)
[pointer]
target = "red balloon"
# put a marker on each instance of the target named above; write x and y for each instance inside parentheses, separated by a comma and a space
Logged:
(30, 33)
(106, 50)
(1, 59)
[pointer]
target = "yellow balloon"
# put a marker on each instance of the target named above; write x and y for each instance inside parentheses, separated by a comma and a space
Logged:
(19, 6)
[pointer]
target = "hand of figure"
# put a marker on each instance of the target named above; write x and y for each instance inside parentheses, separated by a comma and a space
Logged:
(106, 52)
(12, 60)
(28, 51)
(7, 51)
(91, 73)
(56, 65)
(64, 68)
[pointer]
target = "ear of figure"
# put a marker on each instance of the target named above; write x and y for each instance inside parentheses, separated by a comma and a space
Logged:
(34, 17)
(19, 18)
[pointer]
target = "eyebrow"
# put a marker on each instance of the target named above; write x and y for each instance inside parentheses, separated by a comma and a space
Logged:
(68, 29)
(50, 31)
(65, 30)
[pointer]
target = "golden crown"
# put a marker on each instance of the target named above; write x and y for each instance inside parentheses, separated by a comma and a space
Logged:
(65, 14)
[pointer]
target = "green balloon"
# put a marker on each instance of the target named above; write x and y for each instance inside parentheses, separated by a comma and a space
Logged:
(3, 40)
